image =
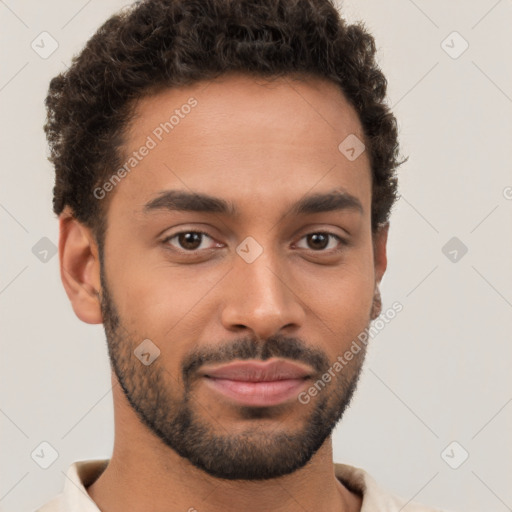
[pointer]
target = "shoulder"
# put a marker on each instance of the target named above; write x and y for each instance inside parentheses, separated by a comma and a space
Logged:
(74, 496)
(55, 505)
(373, 496)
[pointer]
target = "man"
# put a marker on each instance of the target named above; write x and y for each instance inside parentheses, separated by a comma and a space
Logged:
(225, 172)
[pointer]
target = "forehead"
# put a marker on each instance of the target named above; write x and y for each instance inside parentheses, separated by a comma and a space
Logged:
(245, 139)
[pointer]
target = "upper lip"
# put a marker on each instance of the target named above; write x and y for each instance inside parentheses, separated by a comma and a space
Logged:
(258, 371)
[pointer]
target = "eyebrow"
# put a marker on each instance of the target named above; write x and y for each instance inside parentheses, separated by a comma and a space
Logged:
(180, 200)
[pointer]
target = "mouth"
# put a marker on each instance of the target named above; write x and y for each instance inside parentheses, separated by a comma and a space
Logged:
(256, 383)
(257, 394)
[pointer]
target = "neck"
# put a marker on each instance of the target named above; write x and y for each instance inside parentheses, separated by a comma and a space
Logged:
(145, 474)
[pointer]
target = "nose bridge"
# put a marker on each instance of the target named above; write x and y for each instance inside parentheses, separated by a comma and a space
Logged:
(261, 298)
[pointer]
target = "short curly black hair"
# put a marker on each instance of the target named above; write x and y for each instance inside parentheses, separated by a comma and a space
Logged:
(159, 44)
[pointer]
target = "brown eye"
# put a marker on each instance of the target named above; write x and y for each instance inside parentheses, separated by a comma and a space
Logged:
(187, 240)
(320, 241)
(190, 241)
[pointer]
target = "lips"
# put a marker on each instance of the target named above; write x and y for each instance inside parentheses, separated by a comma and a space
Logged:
(259, 371)
(257, 384)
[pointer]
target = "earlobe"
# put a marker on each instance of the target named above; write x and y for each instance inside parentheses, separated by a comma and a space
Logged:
(376, 304)
(80, 268)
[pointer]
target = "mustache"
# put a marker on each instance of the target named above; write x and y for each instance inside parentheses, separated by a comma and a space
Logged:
(279, 346)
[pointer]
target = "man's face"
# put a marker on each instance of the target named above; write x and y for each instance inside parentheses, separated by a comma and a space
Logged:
(265, 283)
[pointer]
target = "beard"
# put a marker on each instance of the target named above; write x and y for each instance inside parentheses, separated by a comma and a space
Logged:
(168, 408)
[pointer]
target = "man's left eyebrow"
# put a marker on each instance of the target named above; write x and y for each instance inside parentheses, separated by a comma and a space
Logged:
(335, 200)
(179, 200)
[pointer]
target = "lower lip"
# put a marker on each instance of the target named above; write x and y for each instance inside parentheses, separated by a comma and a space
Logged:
(257, 393)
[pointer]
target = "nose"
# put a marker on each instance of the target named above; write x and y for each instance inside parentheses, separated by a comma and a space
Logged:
(261, 297)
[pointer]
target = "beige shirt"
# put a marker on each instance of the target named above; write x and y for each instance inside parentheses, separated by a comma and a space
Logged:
(81, 474)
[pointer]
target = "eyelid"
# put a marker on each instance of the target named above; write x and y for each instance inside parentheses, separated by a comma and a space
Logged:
(195, 251)
(341, 240)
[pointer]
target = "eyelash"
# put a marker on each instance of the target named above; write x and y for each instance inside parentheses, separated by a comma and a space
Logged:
(194, 252)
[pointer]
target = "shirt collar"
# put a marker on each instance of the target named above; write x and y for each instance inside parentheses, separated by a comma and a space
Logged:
(81, 474)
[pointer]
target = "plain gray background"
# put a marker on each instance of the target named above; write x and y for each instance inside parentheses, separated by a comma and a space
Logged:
(438, 373)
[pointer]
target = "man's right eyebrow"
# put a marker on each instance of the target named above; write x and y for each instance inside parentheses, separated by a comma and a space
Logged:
(181, 200)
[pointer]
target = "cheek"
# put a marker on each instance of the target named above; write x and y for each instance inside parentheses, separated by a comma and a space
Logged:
(345, 307)
(161, 302)
(341, 299)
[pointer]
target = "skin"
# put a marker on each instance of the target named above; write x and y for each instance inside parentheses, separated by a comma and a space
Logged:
(263, 147)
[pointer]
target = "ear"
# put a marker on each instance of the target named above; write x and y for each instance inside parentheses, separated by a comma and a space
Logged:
(380, 262)
(380, 239)
(80, 268)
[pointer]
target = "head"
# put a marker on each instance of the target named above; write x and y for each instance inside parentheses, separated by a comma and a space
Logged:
(225, 171)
